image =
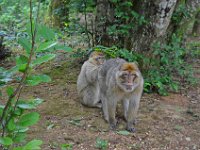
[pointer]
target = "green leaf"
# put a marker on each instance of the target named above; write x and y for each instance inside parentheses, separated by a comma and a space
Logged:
(29, 104)
(26, 106)
(123, 132)
(6, 141)
(1, 109)
(66, 146)
(20, 129)
(37, 101)
(11, 125)
(43, 59)
(18, 148)
(19, 137)
(33, 145)
(25, 43)
(46, 45)
(101, 144)
(21, 62)
(29, 119)
(64, 48)
(37, 79)
(10, 91)
(45, 32)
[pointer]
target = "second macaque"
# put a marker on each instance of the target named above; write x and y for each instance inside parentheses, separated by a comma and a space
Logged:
(87, 84)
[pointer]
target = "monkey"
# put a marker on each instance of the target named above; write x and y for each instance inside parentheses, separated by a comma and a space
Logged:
(120, 80)
(87, 85)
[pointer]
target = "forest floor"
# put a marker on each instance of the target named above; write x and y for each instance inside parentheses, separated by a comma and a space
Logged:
(170, 122)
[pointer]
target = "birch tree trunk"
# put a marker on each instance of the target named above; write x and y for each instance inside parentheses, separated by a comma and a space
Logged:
(157, 12)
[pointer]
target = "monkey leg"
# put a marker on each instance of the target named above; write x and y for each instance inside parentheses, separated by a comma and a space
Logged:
(112, 104)
(104, 106)
(131, 115)
(125, 104)
(91, 98)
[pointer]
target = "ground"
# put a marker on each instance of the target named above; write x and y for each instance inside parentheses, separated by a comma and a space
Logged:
(171, 122)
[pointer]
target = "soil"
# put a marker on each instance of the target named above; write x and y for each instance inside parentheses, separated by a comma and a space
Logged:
(171, 122)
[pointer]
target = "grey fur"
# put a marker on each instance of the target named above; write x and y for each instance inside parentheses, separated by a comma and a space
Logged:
(111, 93)
(87, 85)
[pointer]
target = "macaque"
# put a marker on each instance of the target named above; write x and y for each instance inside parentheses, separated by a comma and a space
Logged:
(87, 85)
(120, 81)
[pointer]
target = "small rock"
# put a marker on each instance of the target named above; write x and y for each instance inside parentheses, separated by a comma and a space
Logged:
(188, 139)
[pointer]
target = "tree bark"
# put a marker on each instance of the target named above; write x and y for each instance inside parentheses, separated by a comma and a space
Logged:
(59, 12)
(196, 27)
(157, 12)
(104, 18)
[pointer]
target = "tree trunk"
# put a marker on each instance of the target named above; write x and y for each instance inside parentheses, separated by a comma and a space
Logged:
(196, 27)
(59, 12)
(157, 12)
(104, 17)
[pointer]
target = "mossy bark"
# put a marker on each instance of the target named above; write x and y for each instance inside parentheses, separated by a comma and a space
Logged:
(59, 12)
(158, 13)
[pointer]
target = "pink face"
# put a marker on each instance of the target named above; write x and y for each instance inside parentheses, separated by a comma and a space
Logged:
(127, 77)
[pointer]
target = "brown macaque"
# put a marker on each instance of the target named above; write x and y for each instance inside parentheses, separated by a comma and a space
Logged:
(87, 85)
(120, 81)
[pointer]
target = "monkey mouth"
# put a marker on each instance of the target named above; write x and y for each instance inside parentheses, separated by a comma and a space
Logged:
(128, 86)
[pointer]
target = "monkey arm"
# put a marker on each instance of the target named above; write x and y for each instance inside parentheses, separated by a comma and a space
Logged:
(92, 73)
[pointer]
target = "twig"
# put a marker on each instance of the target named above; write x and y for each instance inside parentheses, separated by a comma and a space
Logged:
(86, 26)
(21, 84)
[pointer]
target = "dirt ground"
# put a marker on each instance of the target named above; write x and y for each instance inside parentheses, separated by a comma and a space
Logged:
(164, 123)
(171, 122)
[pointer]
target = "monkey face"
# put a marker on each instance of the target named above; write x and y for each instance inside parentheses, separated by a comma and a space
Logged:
(127, 77)
(127, 80)
(97, 58)
(100, 60)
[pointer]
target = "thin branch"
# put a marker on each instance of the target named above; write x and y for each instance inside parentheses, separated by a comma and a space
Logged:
(86, 26)
(21, 84)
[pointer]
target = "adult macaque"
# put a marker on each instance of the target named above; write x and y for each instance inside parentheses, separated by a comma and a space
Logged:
(87, 85)
(120, 81)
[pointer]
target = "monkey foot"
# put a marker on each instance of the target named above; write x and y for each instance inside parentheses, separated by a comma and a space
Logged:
(131, 129)
(113, 126)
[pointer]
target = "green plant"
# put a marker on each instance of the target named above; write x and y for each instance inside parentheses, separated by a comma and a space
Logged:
(66, 146)
(180, 13)
(16, 114)
(101, 144)
(169, 68)
(163, 70)
(125, 22)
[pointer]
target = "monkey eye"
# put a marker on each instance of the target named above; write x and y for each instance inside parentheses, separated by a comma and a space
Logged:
(134, 76)
(124, 75)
